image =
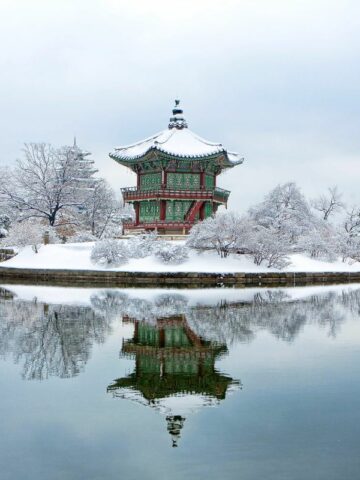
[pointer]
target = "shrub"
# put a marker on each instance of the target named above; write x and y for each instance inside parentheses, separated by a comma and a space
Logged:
(24, 233)
(171, 254)
(109, 253)
(142, 246)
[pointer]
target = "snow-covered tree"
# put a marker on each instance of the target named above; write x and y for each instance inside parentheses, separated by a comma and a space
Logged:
(109, 253)
(102, 214)
(265, 245)
(347, 247)
(27, 232)
(7, 215)
(141, 246)
(44, 184)
(4, 224)
(285, 211)
(329, 204)
(352, 222)
(82, 237)
(224, 232)
(320, 242)
(348, 235)
(171, 254)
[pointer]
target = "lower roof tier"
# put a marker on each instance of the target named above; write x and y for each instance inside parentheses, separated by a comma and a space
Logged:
(154, 160)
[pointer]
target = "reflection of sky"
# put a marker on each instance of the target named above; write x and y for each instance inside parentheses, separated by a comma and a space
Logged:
(275, 80)
(296, 417)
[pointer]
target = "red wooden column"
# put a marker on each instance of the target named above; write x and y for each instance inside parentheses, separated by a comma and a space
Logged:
(162, 337)
(136, 332)
(202, 212)
(138, 181)
(162, 209)
(163, 202)
(137, 212)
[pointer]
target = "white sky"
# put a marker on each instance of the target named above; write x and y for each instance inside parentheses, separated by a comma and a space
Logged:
(275, 80)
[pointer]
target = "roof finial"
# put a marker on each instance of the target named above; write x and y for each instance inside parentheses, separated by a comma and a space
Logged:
(75, 141)
(177, 120)
(174, 425)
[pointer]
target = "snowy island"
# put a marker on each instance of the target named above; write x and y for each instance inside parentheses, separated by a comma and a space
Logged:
(71, 264)
(65, 224)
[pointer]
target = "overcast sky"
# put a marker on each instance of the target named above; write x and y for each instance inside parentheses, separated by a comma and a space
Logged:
(276, 80)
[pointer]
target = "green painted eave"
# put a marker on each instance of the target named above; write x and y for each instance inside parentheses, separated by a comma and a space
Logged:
(152, 386)
(155, 156)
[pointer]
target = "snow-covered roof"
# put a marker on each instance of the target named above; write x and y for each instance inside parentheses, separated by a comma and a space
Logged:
(178, 140)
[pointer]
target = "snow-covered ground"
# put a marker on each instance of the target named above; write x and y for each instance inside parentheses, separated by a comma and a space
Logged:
(77, 256)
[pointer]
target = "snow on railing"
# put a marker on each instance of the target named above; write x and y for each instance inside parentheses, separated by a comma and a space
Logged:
(134, 192)
(157, 223)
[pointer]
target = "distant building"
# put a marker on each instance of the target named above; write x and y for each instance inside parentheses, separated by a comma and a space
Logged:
(176, 177)
(85, 167)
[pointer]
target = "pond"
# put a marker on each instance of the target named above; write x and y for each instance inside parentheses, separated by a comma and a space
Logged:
(189, 384)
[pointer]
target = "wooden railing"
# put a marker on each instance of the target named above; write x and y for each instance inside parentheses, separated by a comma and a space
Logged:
(157, 224)
(217, 194)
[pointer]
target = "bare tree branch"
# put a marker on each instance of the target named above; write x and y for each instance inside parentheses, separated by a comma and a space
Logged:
(329, 204)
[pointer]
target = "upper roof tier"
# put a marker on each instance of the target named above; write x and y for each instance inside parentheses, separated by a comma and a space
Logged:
(177, 141)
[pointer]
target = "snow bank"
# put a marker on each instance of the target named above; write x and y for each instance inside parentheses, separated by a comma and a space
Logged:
(77, 257)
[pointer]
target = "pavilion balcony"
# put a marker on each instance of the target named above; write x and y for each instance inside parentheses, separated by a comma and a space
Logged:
(133, 194)
(158, 225)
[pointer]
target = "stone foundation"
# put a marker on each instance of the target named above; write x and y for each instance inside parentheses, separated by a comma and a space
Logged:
(6, 254)
(176, 280)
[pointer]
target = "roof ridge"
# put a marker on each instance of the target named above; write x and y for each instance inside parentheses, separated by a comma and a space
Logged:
(169, 133)
(153, 137)
(206, 142)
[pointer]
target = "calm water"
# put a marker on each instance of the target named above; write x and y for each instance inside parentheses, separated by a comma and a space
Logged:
(155, 384)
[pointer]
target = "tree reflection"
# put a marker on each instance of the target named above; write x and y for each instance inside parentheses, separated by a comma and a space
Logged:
(175, 344)
(56, 340)
(50, 340)
(272, 310)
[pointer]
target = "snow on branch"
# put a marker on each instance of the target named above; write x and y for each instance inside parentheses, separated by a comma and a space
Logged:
(171, 254)
(25, 233)
(329, 204)
(109, 253)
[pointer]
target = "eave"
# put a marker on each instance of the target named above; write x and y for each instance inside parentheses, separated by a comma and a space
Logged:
(156, 155)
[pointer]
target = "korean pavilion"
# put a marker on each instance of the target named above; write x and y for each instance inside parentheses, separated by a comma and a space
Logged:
(176, 177)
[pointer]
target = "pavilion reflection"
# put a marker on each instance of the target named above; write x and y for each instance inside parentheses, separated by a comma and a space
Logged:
(50, 336)
(174, 370)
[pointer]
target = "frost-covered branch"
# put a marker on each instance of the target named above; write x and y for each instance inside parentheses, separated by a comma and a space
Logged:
(329, 204)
